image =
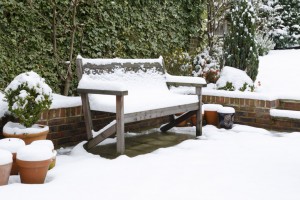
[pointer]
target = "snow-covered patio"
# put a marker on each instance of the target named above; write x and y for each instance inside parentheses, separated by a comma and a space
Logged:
(242, 163)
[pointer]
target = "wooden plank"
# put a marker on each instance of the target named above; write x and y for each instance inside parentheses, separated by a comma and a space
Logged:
(150, 114)
(105, 92)
(102, 136)
(120, 124)
(186, 84)
(199, 113)
(173, 123)
(87, 115)
(127, 65)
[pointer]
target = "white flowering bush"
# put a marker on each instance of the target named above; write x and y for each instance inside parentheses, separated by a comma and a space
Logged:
(28, 96)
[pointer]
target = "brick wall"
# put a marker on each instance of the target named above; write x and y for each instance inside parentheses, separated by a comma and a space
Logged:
(67, 125)
(256, 113)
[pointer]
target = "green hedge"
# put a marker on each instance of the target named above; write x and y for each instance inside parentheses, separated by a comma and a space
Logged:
(102, 28)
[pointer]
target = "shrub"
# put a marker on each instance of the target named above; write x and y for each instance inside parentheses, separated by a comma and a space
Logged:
(240, 46)
(28, 96)
(178, 63)
(206, 66)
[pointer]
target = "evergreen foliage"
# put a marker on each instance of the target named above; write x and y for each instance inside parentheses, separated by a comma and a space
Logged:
(46, 36)
(240, 48)
(286, 28)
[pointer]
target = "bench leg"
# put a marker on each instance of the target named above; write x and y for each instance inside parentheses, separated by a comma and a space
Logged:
(199, 113)
(120, 124)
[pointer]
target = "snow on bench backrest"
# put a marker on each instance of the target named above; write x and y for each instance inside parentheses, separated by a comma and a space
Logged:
(136, 75)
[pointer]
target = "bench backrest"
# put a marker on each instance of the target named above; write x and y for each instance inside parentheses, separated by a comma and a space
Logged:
(136, 74)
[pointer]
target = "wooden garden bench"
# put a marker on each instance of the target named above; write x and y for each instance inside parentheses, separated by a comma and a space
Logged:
(134, 89)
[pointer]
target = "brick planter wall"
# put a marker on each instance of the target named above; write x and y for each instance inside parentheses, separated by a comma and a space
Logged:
(67, 125)
(256, 113)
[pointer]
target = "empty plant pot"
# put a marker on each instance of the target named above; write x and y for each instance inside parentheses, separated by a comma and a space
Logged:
(12, 145)
(211, 114)
(226, 117)
(5, 166)
(33, 162)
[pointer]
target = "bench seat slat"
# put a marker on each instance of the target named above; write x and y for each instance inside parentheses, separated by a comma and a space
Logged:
(150, 114)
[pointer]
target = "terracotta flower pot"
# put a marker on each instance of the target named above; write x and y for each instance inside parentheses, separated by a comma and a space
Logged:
(4, 173)
(33, 162)
(27, 137)
(49, 144)
(15, 167)
(211, 114)
(12, 145)
(53, 163)
(5, 166)
(33, 172)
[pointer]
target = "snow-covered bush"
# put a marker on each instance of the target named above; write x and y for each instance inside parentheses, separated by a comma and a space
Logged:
(286, 29)
(233, 79)
(264, 43)
(240, 48)
(206, 66)
(28, 96)
(178, 63)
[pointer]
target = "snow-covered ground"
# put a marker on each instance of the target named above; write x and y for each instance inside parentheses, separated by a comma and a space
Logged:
(279, 74)
(243, 163)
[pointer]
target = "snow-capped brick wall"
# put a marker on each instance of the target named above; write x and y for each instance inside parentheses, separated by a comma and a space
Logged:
(256, 112)
(290, 105)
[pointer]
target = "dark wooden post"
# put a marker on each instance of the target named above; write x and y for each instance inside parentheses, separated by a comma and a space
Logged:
(199, 112)
(120, 124)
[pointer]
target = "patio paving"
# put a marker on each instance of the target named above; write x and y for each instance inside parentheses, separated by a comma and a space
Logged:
(142, 144)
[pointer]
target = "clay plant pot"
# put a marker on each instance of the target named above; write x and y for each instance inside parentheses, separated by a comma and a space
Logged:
(211, 114)
(33, 172)
(53, 163)
(12, 145)
(5, 166)
(27, 137)
(33, 162)
(49, 144)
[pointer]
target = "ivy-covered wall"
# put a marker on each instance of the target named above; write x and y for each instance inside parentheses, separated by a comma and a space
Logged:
(44, 35)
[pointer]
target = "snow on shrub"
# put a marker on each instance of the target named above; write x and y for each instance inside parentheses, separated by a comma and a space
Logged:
(28, 96)
(234, 79)
(206, 66)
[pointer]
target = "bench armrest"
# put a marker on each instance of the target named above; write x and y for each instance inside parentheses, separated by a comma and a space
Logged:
(105, 92)
(186, 81)
(92, 86)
